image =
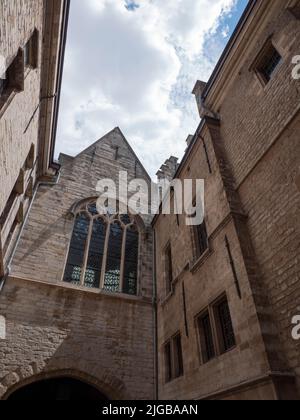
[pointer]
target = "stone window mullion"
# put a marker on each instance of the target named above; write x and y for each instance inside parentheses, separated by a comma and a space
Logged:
(104, 263)
(123, 260)
(86, 252)
(139, 269)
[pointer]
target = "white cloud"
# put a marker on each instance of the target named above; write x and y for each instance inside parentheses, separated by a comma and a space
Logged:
(136, 69)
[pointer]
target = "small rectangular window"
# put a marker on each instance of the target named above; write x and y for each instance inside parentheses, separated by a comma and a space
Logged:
(271, 61)
(224, 325)
(173, 359)
(206, 338)
(216, 334)
(267, 62)
(201, 239)
(178, 359)
(168, 362)
(168, 268)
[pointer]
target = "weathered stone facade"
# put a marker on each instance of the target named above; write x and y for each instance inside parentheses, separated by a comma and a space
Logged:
(246, 149)
(57, 326)
(251, 137)
(26, 116)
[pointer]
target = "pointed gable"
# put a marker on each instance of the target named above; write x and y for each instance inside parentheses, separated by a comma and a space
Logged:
(113, 151)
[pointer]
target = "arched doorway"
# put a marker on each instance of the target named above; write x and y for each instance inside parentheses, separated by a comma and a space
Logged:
(58, 389)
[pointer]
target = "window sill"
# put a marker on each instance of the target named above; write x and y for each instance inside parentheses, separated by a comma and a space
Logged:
(81, 289)
(218, 357)
(194, 266)
(174, 380)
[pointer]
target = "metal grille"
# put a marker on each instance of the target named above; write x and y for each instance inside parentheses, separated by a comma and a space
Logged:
(207, 342)
(168, 362)
(131, 261)
(92, 208)
(77, 249)
(95, 256)
(114, 255)
(125, 218)
(271, 62)
(201, 239)
(178, 362)
(226, 326)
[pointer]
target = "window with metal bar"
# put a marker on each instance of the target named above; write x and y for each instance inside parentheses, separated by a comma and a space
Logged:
(267, 62)
(206, 338)
(226, 335)
(168, 362)
(216, 334)
(271, 61)
(173, 358)
(178, 359)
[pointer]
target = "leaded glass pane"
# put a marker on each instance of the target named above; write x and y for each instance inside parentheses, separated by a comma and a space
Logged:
(168, 362)
(206, 335)
(226, 326)
(92, 207)
(125, 218)
(131, 261)
(77, 249)
(95, 256)
(114, 254)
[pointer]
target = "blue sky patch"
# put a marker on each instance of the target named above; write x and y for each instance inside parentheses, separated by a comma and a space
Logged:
(131, 5)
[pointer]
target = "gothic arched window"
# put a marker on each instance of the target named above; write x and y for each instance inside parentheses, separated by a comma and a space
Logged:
(103, 251)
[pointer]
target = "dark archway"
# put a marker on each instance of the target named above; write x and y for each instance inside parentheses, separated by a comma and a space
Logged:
(58, 389)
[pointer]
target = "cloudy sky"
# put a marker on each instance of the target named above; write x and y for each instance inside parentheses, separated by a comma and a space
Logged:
(133, 64)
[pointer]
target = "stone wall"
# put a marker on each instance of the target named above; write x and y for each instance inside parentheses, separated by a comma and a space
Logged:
(205, 280)
(255, 166)
(260, 130)
(18, 19)
(52, 325)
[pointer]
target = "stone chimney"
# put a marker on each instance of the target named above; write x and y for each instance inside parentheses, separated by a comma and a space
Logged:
(168, 169)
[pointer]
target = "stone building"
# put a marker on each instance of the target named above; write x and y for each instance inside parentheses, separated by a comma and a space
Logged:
(83, 322)
(125, 307)
(32, 37)
(228, 289)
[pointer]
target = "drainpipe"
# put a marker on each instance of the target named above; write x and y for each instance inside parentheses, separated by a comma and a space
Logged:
(155, 317)
(8, 271)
